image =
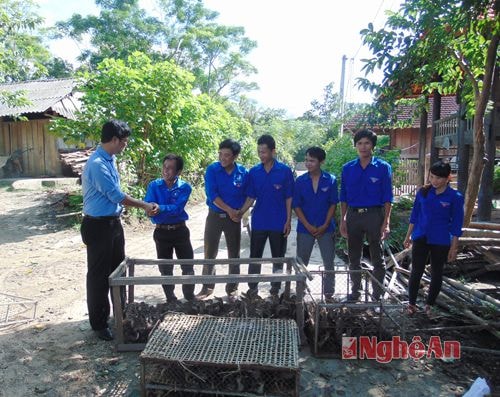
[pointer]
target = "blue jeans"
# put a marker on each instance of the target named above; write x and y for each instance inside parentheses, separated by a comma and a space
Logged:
(305, 244)
(277, 241)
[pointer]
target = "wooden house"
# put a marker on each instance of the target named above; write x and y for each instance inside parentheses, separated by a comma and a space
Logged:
(29, 136)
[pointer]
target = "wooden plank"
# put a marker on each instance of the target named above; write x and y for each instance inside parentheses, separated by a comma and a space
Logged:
(29, 162)
(52, 162)
(4, 139)
(39, 150)
(484, 225)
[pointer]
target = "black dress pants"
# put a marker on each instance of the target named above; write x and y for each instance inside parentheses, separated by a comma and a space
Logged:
(277, 241)
(166, 242)
(421, 251)
(105, 243)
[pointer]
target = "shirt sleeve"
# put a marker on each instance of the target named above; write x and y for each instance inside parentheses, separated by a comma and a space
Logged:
(387, 185)
(297, 200)
(106, 184)
(343, 192)
(176, 208)
(150, 194)
(457, 217)
(251, 190)
(289, 183)
(211, 184)
(334, 192)
(415, 210)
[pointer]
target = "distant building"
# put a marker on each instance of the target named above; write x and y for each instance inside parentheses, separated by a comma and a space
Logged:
(39, 150)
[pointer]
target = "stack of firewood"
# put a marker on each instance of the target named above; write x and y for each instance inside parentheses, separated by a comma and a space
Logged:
(76, 160)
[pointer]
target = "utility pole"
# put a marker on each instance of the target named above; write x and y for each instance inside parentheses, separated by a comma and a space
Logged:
(341, 94)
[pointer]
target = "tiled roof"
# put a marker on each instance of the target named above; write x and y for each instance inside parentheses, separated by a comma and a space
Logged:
(406, 113)
(44, 95)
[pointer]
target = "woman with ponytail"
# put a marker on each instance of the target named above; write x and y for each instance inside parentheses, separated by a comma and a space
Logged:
(435, 226)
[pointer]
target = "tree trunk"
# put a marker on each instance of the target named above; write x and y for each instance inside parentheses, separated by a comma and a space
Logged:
(481, 101)
(436, 115)
(462, 151)
(485, 199)
(422, 145)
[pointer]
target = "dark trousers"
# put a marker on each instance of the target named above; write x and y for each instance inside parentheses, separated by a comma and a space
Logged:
(359, 225)
(420, 257)
(277, 241)
(105, 243)
(166, 242)
(215, 225)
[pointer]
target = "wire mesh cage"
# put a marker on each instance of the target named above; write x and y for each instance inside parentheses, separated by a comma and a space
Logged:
(15, 309)
(224, 356)
(333, 314)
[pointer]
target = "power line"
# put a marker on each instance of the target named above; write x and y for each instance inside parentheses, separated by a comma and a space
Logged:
(373, 20)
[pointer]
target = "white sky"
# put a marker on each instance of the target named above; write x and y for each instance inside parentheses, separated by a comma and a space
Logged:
(300, 43)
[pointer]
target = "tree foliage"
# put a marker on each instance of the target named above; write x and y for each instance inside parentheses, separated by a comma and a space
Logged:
(450, 47)
(23, 55)
(156, 100)
(184, 32)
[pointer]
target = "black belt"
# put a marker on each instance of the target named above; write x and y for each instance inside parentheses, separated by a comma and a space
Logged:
(222, 215)
(170, 226)
(362, 210)
(103, 218)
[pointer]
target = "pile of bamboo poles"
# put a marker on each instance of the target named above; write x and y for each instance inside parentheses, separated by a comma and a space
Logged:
(476, 309)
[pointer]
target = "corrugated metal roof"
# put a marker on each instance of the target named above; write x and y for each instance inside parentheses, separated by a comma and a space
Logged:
(44, 95)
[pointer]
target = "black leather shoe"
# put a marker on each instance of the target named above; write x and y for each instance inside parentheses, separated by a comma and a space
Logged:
(171, 298)
(105, 334)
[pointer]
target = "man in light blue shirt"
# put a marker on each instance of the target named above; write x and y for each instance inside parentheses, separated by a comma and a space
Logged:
(101, 230)
(271, 188)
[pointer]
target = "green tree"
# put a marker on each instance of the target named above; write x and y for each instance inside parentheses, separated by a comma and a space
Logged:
(156, 99)
(451, 47)
(184, 32)
(23, 55)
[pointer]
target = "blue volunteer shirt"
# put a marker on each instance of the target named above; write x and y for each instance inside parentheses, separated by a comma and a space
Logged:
(438, 217)
(315, 205)
(101, 185)
(171, 201)
(369, 187)
(270, 190)
(230, 188)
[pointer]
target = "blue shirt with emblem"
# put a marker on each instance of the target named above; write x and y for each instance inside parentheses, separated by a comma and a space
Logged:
(230, 188)
(171, 200)
(270, 191)
(101, 185)
(368, 187)
(438, 217)
(315, 205)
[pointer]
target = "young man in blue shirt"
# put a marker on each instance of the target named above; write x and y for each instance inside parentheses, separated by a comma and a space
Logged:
(225, 187)
(171, 232)
(271, 188)
(366, 201)
(315, 198)
(101, 230)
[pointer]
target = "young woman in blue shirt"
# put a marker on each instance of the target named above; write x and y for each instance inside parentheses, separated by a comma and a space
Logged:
(435, 226)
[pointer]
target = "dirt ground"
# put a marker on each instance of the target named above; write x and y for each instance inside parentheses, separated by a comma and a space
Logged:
(42, 258)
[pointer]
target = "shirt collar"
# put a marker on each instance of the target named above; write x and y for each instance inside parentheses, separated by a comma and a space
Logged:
(175, 185)
(105, 154)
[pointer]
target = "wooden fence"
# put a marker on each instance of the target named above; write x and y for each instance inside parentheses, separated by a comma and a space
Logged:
(40, 155)
(405, 178)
